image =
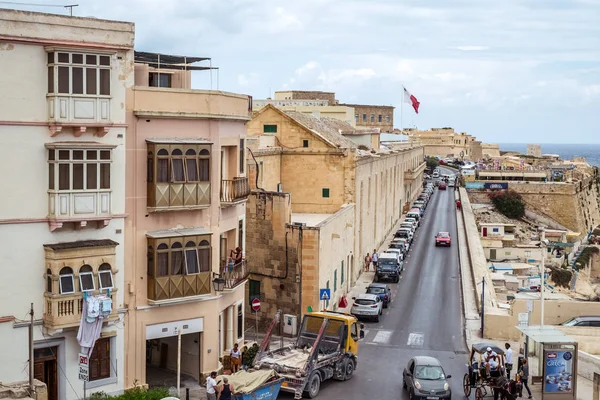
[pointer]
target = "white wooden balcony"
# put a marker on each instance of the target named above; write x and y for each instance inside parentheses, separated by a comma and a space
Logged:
(80, 207)
(79, 113)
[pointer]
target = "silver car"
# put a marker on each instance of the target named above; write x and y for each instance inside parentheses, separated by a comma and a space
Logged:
(367, 306)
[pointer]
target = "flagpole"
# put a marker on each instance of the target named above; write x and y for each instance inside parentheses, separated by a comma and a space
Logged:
(401, 108)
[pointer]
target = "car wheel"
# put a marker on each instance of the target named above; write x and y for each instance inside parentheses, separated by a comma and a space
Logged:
(377, 318)
(348, 369)
(314, 385)
(404, 385)
(411, 394)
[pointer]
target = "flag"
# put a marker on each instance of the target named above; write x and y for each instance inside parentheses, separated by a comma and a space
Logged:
(412, 100)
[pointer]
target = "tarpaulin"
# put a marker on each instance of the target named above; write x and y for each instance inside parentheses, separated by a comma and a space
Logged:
(246, 382)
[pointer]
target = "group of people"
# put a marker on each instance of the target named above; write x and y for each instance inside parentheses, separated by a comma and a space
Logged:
(224, 391)
(371, 259)
(492, 366)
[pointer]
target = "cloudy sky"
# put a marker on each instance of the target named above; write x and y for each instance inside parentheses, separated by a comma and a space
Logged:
(503, 70)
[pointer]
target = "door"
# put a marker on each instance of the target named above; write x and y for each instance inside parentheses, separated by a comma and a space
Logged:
(484, 231)
(492, 253)
(45, 369)
(164, 355)
(241, 233)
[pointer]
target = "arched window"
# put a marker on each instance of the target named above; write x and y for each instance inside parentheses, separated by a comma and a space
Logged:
(176, 259)
(191, 165)
(177, 170)
(150, 172)
(204, 165)
(162, 260)
(65, 282)
(162, 166)
(204, 255)
(105, 276)
(150, 260)
(191, 258)
(86, 279)
(49, 280)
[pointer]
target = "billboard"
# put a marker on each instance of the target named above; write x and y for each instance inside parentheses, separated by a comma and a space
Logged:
(474, 185)
(495, 185)
(559, 371)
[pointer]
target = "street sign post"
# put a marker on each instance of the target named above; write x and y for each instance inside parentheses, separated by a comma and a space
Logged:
(255, 304)
(324, 295)
(84, 371)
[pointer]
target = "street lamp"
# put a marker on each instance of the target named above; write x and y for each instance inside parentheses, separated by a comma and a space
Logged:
(544, 246)
(218, 283)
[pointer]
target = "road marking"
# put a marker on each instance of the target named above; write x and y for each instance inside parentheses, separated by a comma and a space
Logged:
(416, 339)
(383, 337)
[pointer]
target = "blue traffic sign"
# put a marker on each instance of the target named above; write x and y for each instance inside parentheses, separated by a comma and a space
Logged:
(324, 294)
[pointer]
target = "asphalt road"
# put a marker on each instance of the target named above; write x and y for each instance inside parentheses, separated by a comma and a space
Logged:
(424, 318)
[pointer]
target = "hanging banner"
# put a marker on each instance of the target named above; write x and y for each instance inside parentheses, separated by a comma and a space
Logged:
(496, 185)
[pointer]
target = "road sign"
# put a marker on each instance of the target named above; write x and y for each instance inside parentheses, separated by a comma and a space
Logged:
(324, 294)
(529, 305)
(256, 305)
(84, 367)
(84, 360)
(523, 319)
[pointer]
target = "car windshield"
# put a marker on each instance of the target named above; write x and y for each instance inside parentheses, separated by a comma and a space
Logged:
(375, 290)
(571, 322)
(364, 302)
(387, 262)
(429, 372)
(442, 235)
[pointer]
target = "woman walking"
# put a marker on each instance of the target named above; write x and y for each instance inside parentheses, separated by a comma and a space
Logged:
(524, 375)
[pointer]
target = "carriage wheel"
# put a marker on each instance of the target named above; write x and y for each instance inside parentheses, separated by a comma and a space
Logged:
(479, 394)
(467, 385)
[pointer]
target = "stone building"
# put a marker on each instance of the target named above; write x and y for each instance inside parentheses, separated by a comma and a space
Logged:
(445, 142)
(534, 150)
(371, 116)
(332, 200)
(186, 204)
(64, 82)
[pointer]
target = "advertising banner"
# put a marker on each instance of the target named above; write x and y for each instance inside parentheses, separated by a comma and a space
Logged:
(495, 185)
(473, 185)
(559, 371)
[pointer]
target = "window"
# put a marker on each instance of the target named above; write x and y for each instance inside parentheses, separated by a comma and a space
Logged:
(364, 117)
(175, 167)
(191, 258)
(253, 290)
(156, 79)
(105, 276)
(65, 282)
(86, 279)
(204, 159)
(269, 128)
(185, 256)
(240, 321)
(372, 117)
(380, 118)
(305, 143)
(334, 280)
(356, 117)
(191, 166)
(242, 155)
(325, 192)
(49, 280)
(79, 169)
(78, 74)
(100, 360)
(495, 230)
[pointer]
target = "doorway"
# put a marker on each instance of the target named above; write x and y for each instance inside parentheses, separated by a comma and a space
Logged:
(45, 369)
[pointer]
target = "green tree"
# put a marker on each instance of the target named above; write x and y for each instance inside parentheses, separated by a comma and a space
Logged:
(432, 163)
(508, 203)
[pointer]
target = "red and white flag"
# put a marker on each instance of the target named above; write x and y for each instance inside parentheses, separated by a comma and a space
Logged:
(412, 100)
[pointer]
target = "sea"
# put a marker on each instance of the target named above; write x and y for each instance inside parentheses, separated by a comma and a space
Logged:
(591, 152)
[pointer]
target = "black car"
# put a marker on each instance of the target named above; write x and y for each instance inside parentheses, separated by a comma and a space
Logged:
(424, 378)
(382, 290)
(404, 234)
(387, 268)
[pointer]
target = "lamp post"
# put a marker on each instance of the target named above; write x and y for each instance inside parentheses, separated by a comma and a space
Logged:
(543, 245)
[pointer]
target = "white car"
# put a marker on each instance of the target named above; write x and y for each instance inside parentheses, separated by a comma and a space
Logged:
(399, 254)
(408, 225)
(367, 306)
(412, 221)
(403, 242)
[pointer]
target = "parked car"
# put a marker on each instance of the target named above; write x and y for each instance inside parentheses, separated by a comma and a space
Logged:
(400, 254)
(583, 321)
(414, 213)
(443, 239)
(442, 186)
(424, 378)
(383, 291)
(404, 233)
(388, 267)
(409, 225)
(402, 241)
(412, 221)
(367, 306)
(403, 246)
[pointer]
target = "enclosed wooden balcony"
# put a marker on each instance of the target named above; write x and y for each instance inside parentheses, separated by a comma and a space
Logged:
(64, 310)
(235, 190)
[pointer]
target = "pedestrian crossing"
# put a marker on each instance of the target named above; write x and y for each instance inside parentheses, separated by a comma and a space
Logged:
(415, 340)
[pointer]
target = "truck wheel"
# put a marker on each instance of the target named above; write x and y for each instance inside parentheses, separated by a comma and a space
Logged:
(314, 384)
(348, 368)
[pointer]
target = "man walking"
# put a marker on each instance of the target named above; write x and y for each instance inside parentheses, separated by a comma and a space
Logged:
(211, 386)
(509, 359)
(375, 259)
(367, 262)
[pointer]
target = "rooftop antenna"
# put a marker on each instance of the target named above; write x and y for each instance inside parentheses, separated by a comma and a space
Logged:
(70, 7)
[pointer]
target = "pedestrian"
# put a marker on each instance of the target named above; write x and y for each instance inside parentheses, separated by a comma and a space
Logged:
(211, 386)
(236, 358)
(509, 359)
(226, 390)
(524, 375)
(368, 260)
(375, 258)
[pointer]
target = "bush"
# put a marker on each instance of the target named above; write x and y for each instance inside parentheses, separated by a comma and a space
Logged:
(136, 393)
(561, 277)
(509, 203)
(249, 355)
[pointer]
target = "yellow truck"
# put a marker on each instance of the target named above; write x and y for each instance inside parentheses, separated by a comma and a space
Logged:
(326, 347)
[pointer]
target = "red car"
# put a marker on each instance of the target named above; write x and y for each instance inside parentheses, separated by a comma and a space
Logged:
(442, 186)
(442, 239)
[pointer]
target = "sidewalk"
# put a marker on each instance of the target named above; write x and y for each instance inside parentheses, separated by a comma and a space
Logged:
(473, 321)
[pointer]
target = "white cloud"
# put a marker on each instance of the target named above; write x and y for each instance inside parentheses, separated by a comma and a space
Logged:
(246, 80)
(470, 48)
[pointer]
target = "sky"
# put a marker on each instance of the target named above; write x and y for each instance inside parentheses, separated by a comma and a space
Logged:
(504, 71)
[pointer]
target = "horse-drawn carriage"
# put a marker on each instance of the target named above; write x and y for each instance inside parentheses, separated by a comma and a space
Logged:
(493, 378)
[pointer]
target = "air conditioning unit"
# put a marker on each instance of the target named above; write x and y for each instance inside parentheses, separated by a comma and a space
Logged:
(290, 324)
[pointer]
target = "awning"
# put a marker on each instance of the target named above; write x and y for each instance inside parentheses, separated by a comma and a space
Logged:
(545, 334)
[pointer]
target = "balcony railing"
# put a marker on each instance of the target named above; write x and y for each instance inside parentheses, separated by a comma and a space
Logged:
(64, 310)
(79, 206)
(234, 190)
(234, 276)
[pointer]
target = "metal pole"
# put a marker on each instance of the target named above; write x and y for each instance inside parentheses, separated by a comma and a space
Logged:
(482, 306)
(85, 389)
(256, 327)
(178, 362)
(542, 279)
(31, 372)
(281, 332)
(187, 393)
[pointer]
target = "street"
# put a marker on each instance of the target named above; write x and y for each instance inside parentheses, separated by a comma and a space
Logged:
(424, 318)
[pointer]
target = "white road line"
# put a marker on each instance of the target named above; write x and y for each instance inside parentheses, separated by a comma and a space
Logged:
(416, 339)
(382, 337)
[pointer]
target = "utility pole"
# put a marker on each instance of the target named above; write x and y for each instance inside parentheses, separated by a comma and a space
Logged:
(31, 388)
(482, 306)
